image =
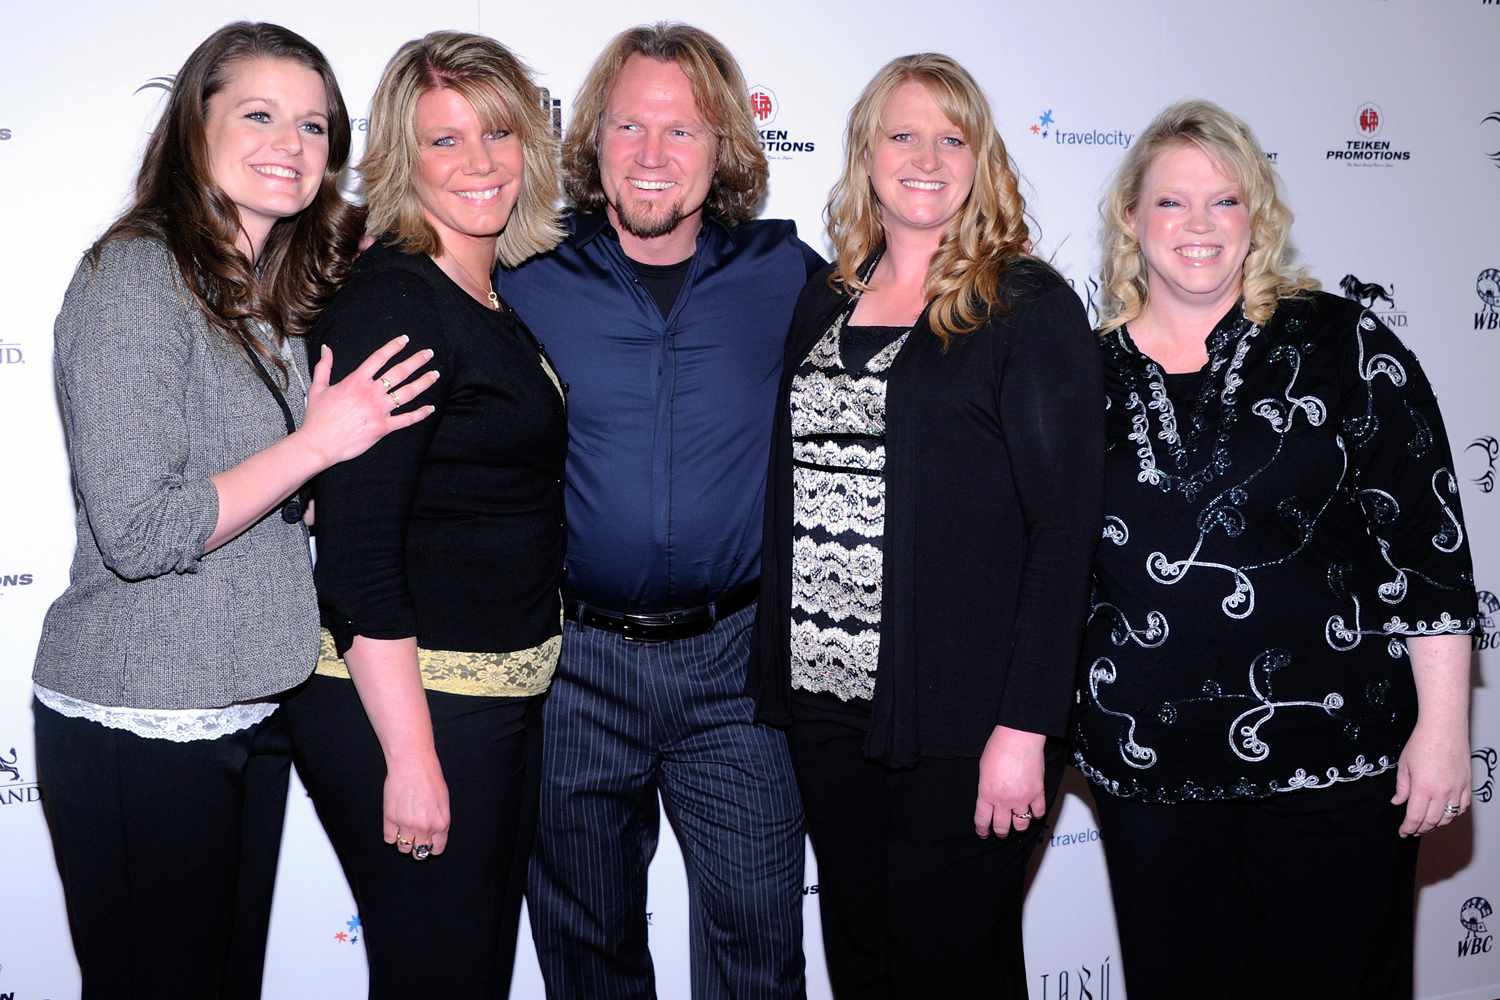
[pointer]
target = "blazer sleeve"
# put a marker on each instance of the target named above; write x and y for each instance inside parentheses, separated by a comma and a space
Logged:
(364, 504)
(1052, 419)
(123, 357)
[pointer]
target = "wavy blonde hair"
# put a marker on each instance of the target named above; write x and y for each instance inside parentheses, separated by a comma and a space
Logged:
(989, 233)
(1268, 275)
(723, 99)
(499, 88)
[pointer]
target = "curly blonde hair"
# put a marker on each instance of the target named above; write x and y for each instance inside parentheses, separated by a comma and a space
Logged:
(990, 232)
(722, 97)
(1268, 275)
(500, 89)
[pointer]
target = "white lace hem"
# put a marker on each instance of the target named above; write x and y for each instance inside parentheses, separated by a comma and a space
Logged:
(179, 725)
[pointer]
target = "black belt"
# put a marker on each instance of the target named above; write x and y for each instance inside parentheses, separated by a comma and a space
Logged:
(660, 626)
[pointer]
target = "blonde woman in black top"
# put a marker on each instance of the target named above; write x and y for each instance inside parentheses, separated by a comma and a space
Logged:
(1275, 694)
(440, 555)
(932, 506)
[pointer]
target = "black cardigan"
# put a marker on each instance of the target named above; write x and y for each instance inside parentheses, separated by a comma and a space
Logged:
(994, 459)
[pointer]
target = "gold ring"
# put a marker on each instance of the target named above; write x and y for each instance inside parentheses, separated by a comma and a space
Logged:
(385, 382)
(402, 841)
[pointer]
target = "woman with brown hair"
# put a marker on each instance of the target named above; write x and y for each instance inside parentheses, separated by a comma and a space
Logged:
(440, 553)
(932, 508)
(192, 422)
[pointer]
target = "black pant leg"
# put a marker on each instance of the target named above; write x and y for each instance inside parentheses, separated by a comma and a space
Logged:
(954, 909)
(147, 833)
(431, 928)
(844, 800)
(1176, 873)
(1334, 890)
(267, 774)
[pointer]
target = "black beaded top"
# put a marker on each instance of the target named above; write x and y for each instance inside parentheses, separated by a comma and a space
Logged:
(1275, 527)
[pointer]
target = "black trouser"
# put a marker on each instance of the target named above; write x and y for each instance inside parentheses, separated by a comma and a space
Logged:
(444, 927)
(167, 853)
(1306, 894)
(913, 902)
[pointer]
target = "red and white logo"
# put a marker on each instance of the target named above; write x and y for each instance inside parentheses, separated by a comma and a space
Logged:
(764, 105)
(1369, 118)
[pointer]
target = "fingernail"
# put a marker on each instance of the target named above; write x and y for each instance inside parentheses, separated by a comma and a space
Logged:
(429, 352)
(436, 375)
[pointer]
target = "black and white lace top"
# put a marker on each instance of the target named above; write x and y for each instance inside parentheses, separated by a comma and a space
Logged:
(1274, 529)
(838, 511)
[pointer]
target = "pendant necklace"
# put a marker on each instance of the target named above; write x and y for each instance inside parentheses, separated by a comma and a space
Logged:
(489, 286)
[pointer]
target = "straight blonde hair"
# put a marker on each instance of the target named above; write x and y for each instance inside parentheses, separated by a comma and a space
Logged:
(499, 88)
(988, 235)
(1268, 275)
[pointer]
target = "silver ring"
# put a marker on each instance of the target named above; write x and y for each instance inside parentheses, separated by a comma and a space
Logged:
(1452, 809)
(385, 382)
(421, 852)
(1024, 815)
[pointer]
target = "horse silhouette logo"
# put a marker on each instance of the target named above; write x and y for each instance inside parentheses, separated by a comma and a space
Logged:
(1366, 293)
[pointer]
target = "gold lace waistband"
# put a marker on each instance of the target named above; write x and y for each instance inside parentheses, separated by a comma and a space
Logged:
(518, 673)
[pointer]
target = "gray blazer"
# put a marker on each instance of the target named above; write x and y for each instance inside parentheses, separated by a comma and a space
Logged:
(154, 402)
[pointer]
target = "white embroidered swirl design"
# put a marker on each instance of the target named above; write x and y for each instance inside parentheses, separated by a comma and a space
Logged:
(1238, 604)
(1244, 736)
(1102, 671)
(1361, 768)
(1451, 535)
(1153, 635)
(1116, 531)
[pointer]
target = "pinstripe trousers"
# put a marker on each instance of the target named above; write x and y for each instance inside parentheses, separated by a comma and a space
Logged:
(625, 720)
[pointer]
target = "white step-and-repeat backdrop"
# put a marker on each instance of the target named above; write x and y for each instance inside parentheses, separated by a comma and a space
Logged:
(1383, 117)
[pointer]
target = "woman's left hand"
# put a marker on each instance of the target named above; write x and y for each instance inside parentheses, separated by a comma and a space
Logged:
(1433, 771)
(1011, 789)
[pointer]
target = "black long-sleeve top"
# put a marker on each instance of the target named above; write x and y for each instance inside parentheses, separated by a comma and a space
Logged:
(994, 451)
(450, 530)
(1274, 530)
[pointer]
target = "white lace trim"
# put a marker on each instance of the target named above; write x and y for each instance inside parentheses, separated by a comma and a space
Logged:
(179, 725)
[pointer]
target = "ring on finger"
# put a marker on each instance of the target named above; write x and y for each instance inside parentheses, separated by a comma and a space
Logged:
(1452, 809)
(402, 841)
(421, 852)
(385, 383)
(396, 401)
(1022, 815)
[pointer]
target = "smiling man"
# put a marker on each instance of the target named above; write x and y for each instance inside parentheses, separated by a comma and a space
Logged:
(666, 311)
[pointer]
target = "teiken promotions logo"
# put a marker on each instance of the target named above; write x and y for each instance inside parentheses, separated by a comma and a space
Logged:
(776, 143)
(1364, 149)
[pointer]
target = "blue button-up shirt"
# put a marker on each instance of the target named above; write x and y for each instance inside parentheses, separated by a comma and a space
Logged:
(669, 420)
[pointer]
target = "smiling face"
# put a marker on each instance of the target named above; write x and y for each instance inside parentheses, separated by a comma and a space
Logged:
(1194, 229)
(468, 176)
(656, 153)
(266, 132)
(920, 164)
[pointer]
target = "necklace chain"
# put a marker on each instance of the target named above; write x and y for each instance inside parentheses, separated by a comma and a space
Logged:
(489, 287)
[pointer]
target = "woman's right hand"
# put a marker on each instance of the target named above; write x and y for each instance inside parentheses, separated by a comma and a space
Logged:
(346, 418)
(416, 804)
